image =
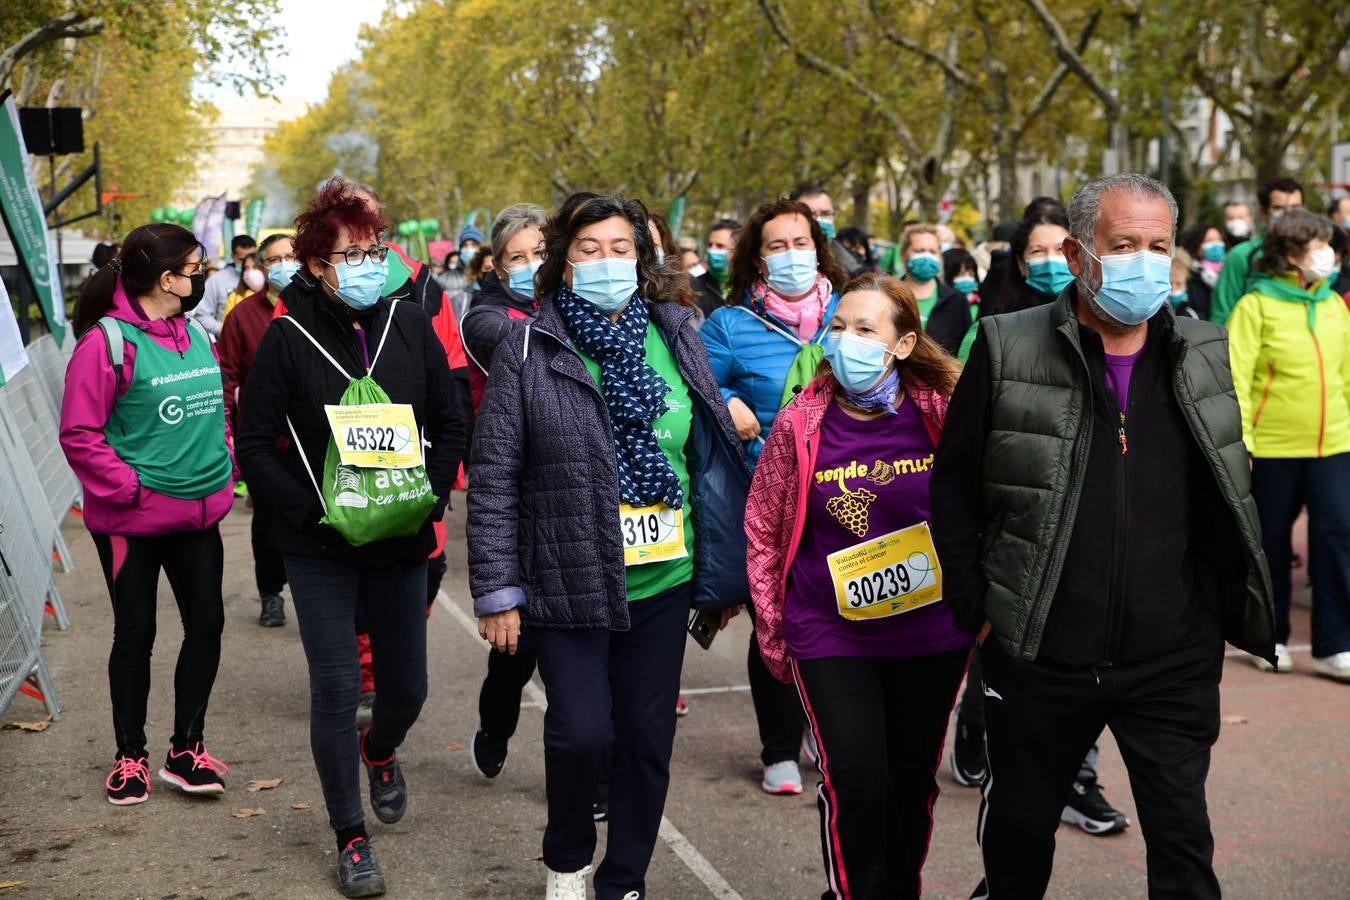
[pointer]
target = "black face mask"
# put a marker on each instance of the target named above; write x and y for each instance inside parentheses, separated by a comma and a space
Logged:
(190, 301)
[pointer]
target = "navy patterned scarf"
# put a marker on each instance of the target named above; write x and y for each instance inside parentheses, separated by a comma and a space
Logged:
(634, 394)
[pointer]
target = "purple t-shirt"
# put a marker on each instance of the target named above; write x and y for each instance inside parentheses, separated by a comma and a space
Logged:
(1118, 372)
(884, 466)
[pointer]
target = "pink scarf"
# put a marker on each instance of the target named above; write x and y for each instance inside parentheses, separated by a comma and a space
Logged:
(805, 315)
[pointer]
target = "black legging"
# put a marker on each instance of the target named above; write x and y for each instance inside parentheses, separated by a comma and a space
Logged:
(194, 563)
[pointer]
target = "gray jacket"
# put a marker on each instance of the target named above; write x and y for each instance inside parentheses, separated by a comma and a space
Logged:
(543, 505)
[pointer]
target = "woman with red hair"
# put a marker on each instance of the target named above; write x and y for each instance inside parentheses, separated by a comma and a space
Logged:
(338, 337)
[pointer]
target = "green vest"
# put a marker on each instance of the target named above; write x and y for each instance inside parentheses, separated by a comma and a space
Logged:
(1036, 459)
(170, 424)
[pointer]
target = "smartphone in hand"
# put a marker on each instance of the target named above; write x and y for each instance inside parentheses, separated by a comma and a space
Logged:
(704, 625)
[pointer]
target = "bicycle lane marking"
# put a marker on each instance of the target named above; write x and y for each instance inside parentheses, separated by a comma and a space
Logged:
(680, 845)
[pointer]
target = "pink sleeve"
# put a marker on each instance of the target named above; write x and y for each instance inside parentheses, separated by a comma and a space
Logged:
(770, 515)
(91, 390)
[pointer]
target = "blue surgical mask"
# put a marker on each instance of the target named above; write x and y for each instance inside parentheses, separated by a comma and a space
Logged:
(607, 284)
(858, 362)
(792, 272)
(1176, 299)
(827, 226)
(466, 255)
(1134, 286)
(521, 278)
(923, 266)
(1049, 275)
(1214, 251)
(360, 286)
(965, 285)
(718, 260)
(279, 275)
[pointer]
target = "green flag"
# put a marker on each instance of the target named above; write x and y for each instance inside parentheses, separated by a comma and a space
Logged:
(253, 218)
(27, 223)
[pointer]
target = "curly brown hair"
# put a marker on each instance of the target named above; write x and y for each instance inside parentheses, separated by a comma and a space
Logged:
(1289, 236)
(929, 363)
(655, 283)
(744, 272)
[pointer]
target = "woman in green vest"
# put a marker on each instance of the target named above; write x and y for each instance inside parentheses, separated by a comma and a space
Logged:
(1289, 340)
(143, 426)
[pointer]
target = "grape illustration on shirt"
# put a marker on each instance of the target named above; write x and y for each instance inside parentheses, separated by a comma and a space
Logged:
(850, 508)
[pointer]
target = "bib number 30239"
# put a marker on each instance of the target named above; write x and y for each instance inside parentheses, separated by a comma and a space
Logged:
(376, 435)
(888, 576)
(651, 534)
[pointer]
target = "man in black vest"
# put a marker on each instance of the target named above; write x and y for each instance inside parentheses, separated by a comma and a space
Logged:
(1093, 518)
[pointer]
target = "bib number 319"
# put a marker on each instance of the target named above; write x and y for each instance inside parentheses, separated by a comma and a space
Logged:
(651, 534)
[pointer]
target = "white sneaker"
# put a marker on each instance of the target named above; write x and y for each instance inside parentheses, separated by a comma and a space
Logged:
(632, 895)
(1336, 666)
(782, 778)
(566, 885)
(1284, 660)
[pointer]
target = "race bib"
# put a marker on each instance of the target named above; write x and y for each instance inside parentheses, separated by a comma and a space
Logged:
(893, 574)
(651, 534)
(376, 435)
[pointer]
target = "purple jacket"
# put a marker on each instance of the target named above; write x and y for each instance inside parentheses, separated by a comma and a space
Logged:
(114, 501)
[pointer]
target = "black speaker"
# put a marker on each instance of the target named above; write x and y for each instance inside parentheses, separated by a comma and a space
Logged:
(52, 132)
(232, 209)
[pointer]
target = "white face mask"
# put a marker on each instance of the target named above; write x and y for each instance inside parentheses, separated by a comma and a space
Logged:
(1321, 263)
(254, 279)
(1238, 228)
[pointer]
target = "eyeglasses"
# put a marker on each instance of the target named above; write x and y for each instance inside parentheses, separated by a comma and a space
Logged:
(273, 260)
(356, 255)
(195, 268)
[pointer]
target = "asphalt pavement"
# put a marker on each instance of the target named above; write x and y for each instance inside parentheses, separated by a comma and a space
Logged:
(1279, 794)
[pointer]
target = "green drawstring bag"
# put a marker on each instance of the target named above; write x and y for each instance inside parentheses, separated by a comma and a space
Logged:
(802, 371)
(375, 485)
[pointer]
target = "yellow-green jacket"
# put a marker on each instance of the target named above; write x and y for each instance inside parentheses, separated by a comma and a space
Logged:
(1290, 352)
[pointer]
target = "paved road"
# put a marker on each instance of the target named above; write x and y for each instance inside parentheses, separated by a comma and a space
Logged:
(1279, 794)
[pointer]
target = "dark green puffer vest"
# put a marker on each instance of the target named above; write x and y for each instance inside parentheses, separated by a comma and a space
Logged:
(1036, 458)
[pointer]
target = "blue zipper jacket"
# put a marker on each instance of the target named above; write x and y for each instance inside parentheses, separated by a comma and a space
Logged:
(751, 351)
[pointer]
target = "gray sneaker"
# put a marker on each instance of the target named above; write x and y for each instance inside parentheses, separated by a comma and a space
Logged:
(359, 872)
(782, 778)
(388, 790)
(273, 613)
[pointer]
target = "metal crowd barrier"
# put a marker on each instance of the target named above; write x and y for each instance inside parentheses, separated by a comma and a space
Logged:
(33, 414)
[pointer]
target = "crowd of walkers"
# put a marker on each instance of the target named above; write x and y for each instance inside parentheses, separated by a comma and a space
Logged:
(1061, 466)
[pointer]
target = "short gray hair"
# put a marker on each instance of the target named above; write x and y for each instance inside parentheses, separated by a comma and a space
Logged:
(512, 221)
(1086, 204)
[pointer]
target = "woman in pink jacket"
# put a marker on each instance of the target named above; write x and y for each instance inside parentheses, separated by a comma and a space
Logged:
(848, 589)
(143, 426)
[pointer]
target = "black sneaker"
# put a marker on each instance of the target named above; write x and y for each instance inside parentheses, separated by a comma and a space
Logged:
(273, 612)
(488, 754)
(359, 872)
(129, 781)
(969, 766)
(388, 790)
(365, 710)
(1088, 809)
(194, 770)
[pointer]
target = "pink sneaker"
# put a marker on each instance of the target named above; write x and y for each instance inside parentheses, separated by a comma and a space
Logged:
(681, 708)
(129, 781)
(194, 770)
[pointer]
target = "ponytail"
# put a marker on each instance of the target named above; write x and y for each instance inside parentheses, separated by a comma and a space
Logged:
(148, 251)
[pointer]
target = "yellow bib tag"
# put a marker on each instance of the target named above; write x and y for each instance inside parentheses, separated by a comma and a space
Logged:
(376, 435)
(893, 574)
(651, 534)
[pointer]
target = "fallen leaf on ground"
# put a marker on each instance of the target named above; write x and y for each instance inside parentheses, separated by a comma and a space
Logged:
(247, 813)
(27, 726)
(303, 804)
(538, 857)
(456, 745)
(10, 884)
(263, 784)
(1233, 719)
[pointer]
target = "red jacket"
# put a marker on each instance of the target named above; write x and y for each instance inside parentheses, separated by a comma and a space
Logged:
(239, 337)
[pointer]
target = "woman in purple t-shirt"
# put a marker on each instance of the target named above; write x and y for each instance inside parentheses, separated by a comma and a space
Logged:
(848, 588)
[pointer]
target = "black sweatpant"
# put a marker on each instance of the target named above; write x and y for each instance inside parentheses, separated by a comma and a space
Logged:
(393, 602)
(880, 725)
(1040, 721)
(615, 692)
(499, 697)
(194, 562)
(778, 711)
(269, 568)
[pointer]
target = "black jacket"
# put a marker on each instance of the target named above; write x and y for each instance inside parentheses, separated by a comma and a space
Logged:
(291, 378)
(1198, 295)
(1152, 536)
(950, 319)
(489, 319)
(543, 521)
(708, 293)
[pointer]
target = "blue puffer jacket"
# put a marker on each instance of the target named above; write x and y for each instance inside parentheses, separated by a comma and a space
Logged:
(543, 505)
(751, 352)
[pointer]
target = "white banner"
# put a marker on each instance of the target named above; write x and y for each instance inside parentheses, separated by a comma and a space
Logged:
(12, 355)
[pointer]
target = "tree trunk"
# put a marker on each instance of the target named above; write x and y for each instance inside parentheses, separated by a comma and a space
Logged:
(862, 195)
(1007, 180)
